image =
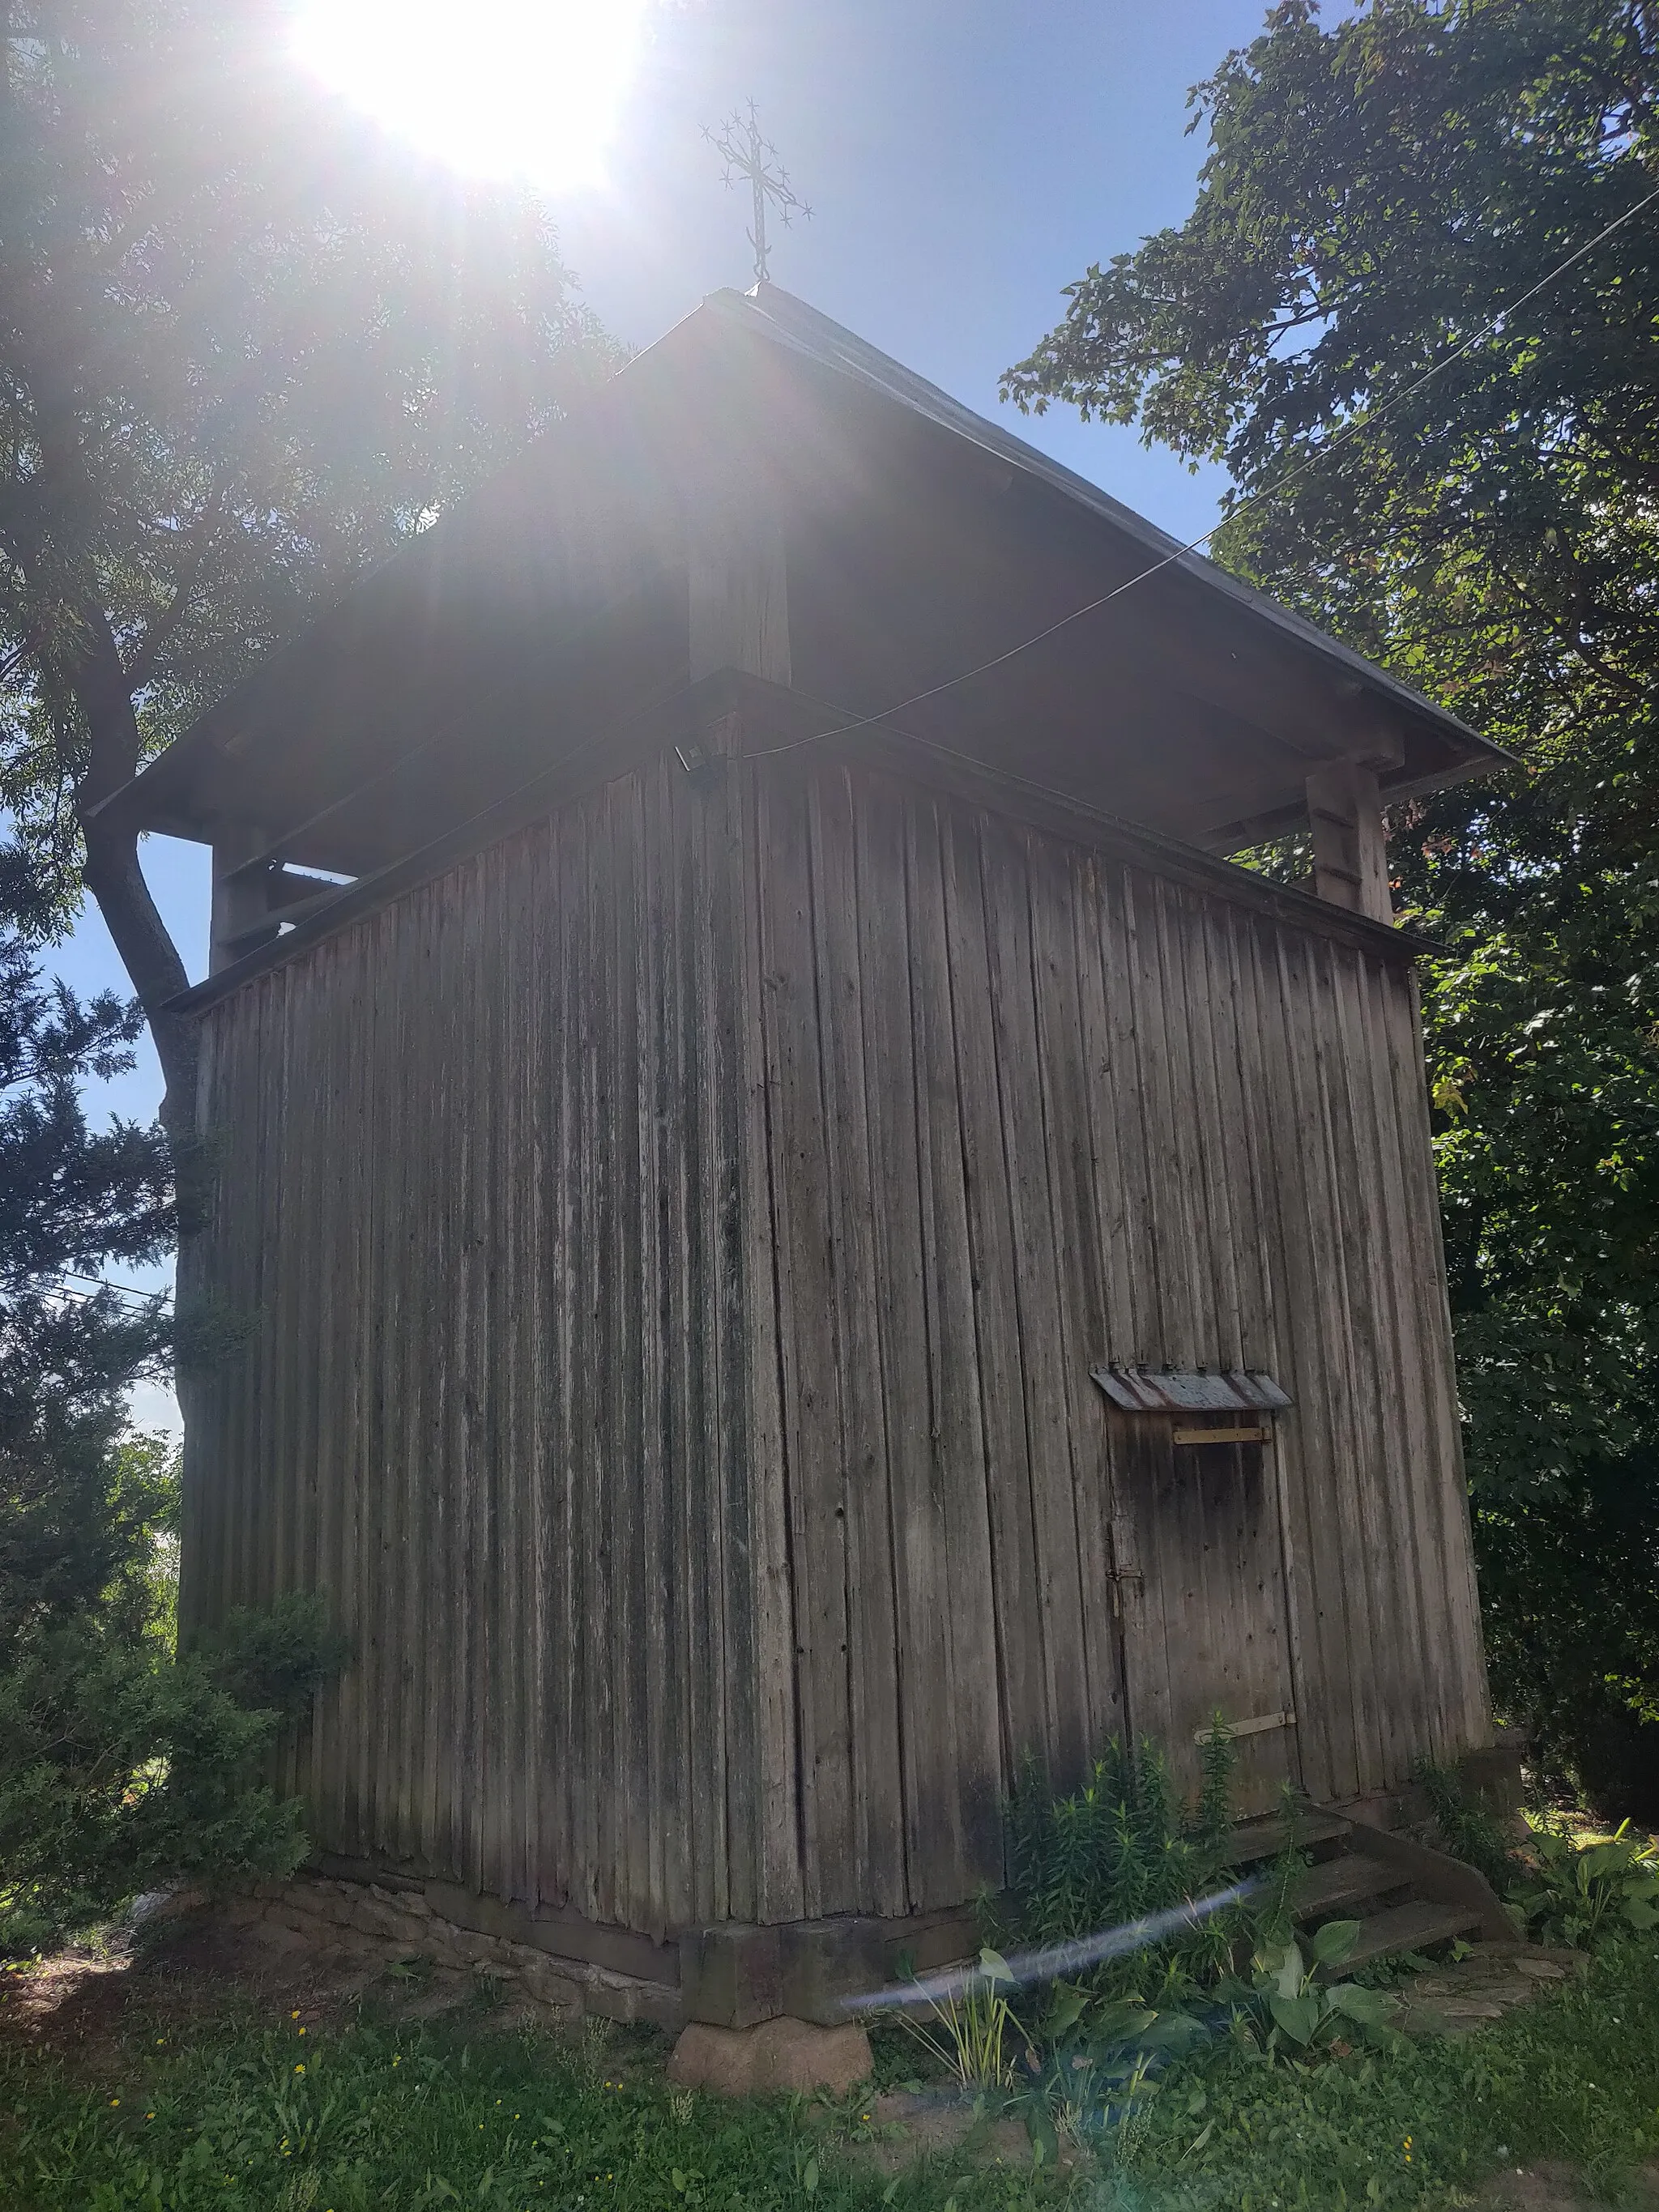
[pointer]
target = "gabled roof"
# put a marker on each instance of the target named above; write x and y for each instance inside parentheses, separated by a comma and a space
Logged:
(937, 567)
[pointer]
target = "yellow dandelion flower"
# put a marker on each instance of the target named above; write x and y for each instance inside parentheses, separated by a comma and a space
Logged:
(299, 2069)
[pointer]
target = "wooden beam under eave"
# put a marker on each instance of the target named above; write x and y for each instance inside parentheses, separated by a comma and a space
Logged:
(1350, 844)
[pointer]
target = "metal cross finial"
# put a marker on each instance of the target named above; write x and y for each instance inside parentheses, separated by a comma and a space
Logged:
(746, 153)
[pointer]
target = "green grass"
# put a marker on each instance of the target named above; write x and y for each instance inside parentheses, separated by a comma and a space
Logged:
(1574, 2077)
(254, 2114)
(417, 2116)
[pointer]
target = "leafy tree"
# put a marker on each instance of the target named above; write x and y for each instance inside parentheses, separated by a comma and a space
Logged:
(1376, 193)
(75, 1515)
(119, 1764)
(244, 347)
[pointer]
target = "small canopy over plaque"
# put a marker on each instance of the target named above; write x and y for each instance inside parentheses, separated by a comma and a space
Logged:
(1190, 1390)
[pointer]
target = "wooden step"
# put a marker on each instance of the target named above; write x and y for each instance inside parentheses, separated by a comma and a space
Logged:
(1415, 1926)
(1350, 1878)
(1254, 1841)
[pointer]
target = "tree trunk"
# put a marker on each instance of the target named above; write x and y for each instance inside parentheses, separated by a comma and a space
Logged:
(149, 954)
(116, 881)
(151, 960)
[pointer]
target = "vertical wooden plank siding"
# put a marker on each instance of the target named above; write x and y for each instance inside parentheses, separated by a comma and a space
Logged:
(665, 1256)
(1143, 1125)
(475, 1222)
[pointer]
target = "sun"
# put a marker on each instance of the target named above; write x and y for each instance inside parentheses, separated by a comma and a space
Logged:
(526, 88)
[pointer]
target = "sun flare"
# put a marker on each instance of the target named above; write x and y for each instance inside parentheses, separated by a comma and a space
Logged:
(529, 88)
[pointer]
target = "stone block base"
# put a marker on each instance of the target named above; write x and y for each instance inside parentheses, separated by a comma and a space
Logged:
(398, 1924)
(778, 2054)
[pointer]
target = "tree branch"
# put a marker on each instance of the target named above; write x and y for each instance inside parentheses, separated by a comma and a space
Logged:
(199, 537)
(1572, 638)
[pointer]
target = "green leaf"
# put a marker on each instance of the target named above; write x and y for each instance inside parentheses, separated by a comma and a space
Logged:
(1365, 2007)
(1333, 1943)
(1296, 2017)
(1291, 1974)
(1039, 2125)
(1174, 2032)
(1117, 2023)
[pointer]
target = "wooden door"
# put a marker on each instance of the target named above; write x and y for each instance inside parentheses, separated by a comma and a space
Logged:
(1201, 1599)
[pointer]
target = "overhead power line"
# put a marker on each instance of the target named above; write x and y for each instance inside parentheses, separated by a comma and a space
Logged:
(69, 1280)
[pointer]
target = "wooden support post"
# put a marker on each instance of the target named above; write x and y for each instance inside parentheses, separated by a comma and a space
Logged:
(238, 905)
(1350, 849)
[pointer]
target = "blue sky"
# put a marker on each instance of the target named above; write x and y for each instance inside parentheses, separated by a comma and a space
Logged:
(963, 162)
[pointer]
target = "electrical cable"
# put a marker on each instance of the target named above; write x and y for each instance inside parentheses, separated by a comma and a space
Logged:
(66, 1277)
(1269, 491)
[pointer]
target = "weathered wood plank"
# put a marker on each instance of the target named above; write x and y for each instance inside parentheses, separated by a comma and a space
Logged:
(877, 1874)
(804, 1289)
(1036, 1236)
(1330, 1534)
(666, 1814)
(1000, 1379)
(1376, 1383)
(1063, 919)
(959, 1478)
(775, 1790)
(934, 1854)
(1250, 995)
(1446, 1539)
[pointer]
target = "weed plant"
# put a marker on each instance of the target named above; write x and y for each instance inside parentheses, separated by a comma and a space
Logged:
(1561, 1886)
(1080, 2050)
(1468, 1826)
(1123, 1850)
(1581, 1893)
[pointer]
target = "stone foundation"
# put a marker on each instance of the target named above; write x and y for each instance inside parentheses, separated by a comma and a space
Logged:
(400, 1924)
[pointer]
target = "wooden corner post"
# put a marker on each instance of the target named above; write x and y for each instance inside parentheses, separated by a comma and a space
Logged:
(239, 901)
(1350, 847)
